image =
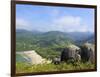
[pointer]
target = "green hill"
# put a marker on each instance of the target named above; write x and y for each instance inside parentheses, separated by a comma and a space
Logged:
(47, 44)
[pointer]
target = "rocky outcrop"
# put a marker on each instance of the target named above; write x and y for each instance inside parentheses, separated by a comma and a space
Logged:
(71, 52)
(88, 52)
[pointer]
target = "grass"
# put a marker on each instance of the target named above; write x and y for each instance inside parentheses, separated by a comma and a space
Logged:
(26, 68)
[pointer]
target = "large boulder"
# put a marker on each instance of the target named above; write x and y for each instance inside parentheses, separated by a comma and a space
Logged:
(88, 52)
(71, 52)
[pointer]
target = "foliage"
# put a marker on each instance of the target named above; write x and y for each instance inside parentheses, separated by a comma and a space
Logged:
(26, 68)
(48, 45)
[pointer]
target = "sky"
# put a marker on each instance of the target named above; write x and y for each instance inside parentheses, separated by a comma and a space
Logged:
(54, 18)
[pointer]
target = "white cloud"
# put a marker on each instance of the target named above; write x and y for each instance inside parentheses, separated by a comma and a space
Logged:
(68, 21)
(22, 24)
(59, 23)
(81, 28)
(70, 24)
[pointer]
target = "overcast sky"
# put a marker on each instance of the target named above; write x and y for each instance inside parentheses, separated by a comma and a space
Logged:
(50, 18)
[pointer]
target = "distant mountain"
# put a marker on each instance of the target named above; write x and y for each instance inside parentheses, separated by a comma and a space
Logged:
(81, 37)
(21, 30)
(23, 35)
(53, 38)
(91, 39)
(41, 39)
(77, 36)
(34, 32)
(49, 44)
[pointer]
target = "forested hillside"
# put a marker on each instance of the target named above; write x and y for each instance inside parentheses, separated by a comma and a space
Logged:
(49, 44)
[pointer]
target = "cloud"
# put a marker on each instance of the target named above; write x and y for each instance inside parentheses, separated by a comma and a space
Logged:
(68, 21)
(81, 28)
(71, 23)
(22, 24)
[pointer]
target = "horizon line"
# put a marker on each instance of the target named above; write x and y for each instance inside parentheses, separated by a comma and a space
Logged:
(54, 31)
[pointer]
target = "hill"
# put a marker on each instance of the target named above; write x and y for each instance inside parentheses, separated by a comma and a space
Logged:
(47, 39)
(49, 44)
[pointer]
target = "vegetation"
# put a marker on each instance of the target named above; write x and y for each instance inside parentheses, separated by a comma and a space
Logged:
(26, 68)
(49, 45)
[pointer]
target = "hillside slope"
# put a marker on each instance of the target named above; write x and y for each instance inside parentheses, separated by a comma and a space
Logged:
(30, 57)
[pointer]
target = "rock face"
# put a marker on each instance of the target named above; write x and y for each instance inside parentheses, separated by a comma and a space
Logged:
(71, 52)
(88, 52)
(32, 57)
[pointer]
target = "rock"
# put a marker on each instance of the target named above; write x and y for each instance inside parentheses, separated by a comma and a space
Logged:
(88, 52)
(70, 52)
(56, 61)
